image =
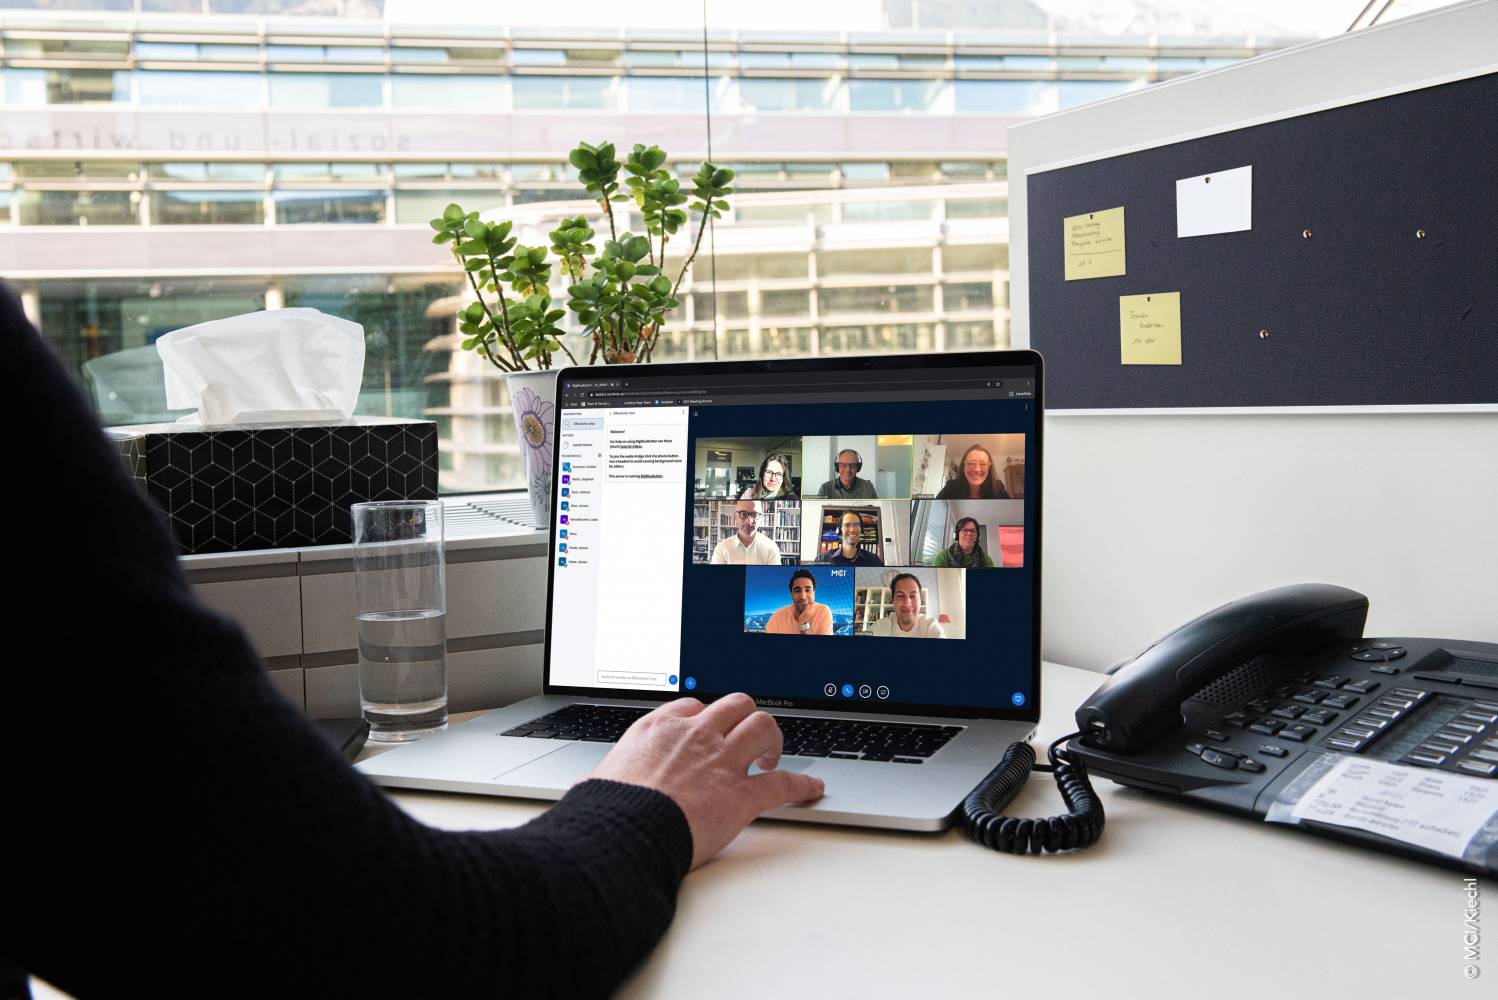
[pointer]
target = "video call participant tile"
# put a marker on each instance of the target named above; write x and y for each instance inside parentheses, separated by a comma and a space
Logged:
(798, 600)
(746, 532)
(967, 534)
(857, 466)
(855, 533)
(751, 468)
(969, 466)
(910, 603)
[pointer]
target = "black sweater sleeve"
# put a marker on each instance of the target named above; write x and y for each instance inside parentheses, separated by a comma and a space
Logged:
(174, 826)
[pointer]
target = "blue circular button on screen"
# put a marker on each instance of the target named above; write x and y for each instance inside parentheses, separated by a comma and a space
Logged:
(847, 690)
(691, 683)
(1018, 698)
(671, 679)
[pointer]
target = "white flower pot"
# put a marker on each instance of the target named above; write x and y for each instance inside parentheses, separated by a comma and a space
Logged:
(533, 398)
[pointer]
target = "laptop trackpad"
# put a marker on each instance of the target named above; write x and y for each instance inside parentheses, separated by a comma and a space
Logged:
(560, 770)
(573, 762)
(787, 764)
(459, 756)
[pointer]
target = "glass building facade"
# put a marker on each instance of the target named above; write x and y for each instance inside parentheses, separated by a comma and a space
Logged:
(169, 162)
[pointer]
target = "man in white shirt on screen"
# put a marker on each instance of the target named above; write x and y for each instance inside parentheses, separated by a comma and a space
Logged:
(906, 621)
(746, 546)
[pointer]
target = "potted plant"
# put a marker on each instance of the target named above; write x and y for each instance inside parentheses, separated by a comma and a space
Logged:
(620, 295)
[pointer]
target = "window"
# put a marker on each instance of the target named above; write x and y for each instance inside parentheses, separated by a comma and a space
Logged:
(82, 170)
(420, 171)
(888, 298)
(678, 94)
(967, 296)
(868, 173)
(326, 90)
(248, 173)
(420, 207)
(878, 338)
(716, 58)
(731, 305)
(316, 172)
(476, 171)
(974, 337)
(80, 208)
(66, 86)
(795, 302)
(207, 208)
(741, 267)
(791, 340)
(749, 214)
(566, 93)
(768, 94)
(305, 207)
(986, 257)
(887, 211)
(68, 48)
(977, 208)
(87, 319)
(1013, 97)
(188, 88)
(933, 96)
(833, 263)
(469, 94)
(394, 313)
(528, 196)
(1073, 92)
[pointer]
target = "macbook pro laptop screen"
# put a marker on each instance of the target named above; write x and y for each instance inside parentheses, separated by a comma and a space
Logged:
(779, 527)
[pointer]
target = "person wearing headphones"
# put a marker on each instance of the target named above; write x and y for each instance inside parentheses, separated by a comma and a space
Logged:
(966, 551)
(845, 484)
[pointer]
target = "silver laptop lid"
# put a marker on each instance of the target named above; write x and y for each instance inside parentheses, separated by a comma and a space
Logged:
(777, 527)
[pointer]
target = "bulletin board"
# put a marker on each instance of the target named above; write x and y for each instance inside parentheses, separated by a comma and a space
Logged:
(1368, 276)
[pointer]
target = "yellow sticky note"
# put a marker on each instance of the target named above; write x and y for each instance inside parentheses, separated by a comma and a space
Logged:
(1149, 328)
(1094, 244)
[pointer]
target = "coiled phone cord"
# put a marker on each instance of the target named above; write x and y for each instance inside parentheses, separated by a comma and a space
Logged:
(1079, 828)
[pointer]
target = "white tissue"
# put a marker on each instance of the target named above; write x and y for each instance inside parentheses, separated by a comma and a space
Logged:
(278, 366)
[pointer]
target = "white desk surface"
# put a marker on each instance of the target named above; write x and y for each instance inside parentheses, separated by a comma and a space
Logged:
(1174, 901)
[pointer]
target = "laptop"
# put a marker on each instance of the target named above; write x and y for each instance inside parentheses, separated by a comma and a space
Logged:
(778, 528)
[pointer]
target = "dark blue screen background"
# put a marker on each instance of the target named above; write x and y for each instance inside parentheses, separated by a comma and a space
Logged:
(984, 671)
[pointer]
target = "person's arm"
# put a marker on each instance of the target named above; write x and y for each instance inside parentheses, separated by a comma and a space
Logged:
(160, 766)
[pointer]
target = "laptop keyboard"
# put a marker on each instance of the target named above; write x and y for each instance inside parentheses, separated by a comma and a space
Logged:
(844, 739)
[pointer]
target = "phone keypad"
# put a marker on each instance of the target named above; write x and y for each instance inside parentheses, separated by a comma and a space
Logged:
(1349, 713)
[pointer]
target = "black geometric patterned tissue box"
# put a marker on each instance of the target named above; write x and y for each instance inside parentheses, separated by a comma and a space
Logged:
(229, 489)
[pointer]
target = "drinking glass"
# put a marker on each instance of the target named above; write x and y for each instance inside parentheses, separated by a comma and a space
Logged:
(400, 603)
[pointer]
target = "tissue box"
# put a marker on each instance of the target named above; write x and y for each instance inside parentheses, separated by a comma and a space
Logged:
(228, 489)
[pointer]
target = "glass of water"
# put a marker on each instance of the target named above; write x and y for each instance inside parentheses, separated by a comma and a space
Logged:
(400, 602)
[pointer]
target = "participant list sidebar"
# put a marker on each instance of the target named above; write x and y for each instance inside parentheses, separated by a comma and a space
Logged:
(616, 619)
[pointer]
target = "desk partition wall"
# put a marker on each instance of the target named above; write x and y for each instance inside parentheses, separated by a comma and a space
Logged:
(297, 608)
(1153, 519)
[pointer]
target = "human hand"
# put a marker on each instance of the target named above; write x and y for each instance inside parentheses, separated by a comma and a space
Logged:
(700, 756)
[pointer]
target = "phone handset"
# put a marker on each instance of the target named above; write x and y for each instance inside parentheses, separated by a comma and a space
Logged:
(1141, 704)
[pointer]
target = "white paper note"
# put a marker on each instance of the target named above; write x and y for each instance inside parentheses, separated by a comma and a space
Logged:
(1215, 203)
(1433, 809)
